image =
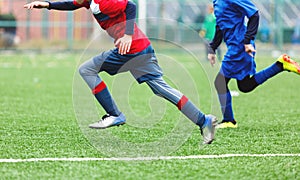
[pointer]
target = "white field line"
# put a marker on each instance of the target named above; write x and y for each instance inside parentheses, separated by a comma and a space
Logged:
(147, 158)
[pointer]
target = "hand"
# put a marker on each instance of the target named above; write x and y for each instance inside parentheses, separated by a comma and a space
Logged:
(36, 4)
(124, 44)
(212, 59)
(249, 49)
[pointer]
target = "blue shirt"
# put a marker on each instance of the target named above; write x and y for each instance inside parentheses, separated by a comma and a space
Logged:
(231, 17)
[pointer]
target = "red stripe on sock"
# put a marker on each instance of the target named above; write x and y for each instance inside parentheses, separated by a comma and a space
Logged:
(99, 88)
(182, 102)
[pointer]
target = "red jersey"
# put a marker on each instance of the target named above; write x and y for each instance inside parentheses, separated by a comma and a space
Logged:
(111, 16)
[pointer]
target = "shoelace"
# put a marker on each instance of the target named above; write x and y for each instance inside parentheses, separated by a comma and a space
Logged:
(104, 117)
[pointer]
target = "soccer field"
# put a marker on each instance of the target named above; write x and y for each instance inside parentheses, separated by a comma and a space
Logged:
(45, 110)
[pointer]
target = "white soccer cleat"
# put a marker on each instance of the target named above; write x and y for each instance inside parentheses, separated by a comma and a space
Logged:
(109, 121)
(208, 129)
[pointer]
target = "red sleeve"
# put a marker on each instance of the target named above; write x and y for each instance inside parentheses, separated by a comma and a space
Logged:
(85, 4)
(112, 8)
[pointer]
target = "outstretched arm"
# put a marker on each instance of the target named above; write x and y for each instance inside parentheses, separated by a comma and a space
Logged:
(67, 5)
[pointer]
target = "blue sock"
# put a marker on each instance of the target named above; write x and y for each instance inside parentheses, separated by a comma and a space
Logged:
(267, 73)
(105, 99)
(226, 106)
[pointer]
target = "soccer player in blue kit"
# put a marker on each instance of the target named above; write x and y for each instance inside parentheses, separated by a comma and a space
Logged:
(133, 53)
(237, 25)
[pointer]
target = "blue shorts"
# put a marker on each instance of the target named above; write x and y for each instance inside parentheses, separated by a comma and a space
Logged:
(238, 67)
(142, 65)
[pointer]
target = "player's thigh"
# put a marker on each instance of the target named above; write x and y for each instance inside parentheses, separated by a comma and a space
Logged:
(145, 67)
(110, 62)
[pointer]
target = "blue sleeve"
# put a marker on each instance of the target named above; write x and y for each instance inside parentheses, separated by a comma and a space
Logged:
(252, 28)
(66, 5)
(217, 40)
(130, 12)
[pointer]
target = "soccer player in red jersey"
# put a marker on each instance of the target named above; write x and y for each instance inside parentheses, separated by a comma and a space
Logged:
(133, 52)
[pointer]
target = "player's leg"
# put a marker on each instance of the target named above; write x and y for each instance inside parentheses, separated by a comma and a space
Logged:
(225, 99)
(265, 74)
(284, 62)
(162, 89)
(205, 122)
(89, 72)
(144, 68)
(247, 84)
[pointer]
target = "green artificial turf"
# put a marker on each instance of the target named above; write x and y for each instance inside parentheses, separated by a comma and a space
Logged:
(43, 115)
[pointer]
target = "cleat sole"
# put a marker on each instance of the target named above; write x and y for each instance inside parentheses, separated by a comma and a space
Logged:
(121, 124)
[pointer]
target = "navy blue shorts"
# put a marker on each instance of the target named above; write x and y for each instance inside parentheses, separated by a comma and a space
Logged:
(142, 65)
